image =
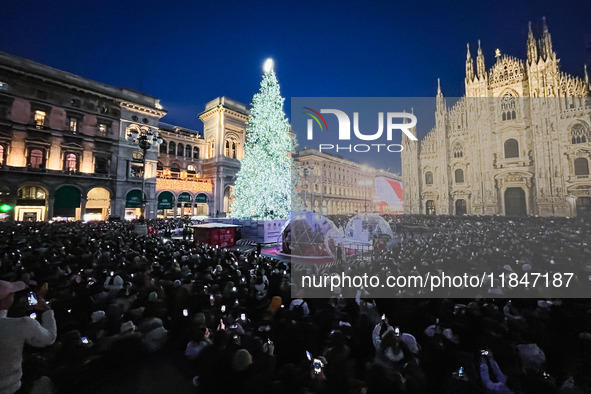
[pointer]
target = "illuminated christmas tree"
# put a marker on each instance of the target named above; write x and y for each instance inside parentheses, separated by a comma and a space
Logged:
(264, 183)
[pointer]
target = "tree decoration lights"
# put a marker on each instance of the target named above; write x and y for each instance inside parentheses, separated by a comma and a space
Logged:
(264, 182)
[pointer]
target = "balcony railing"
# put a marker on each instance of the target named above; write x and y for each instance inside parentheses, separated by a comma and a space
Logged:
(52, 172)
(189, 184)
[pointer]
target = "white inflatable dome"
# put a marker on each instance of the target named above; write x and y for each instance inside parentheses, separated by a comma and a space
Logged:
(310, 234)
(367, 226)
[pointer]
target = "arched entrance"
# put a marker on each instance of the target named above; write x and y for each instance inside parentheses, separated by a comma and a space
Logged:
(584, 206)
(165, 205)
(133, 204)
(430, 207)
(201, 207)
(31, 203)
(184, 202)
(67, 203)
(461, 208)
(515, 202)
(98, 204)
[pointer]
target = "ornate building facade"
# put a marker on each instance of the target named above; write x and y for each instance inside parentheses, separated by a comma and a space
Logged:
(66, 153)
(180, 186)
(518, 143)
(64, 145)
(197, 172)
(332, 185)
(224, 131)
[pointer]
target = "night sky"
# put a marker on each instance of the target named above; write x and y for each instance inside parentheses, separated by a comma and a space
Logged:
(189, 54)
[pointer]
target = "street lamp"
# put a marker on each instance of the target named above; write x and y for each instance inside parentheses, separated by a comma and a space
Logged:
(365, 183)
(145, 139)
(306, 171)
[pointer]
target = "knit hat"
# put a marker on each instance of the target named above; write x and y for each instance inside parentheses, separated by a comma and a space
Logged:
(242, 360)
(8, 288)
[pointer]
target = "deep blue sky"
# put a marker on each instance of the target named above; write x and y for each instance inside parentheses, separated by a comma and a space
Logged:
(187, 53)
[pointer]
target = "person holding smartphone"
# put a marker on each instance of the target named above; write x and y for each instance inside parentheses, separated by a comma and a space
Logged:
(15, 332)
(493, 379)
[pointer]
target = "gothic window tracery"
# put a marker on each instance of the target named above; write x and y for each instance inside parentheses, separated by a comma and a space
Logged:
(579, 134)
(458, 150)
(508, 107)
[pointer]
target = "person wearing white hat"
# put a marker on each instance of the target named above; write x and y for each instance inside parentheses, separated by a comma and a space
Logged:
(15, 332)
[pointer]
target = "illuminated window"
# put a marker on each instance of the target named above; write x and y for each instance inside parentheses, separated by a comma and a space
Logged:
(136, 170)
(31, 193)
(73, 125)
(191, 171)
(40, 118)
(103, 129)
(71, 162)
(36, 158)
(2, 151)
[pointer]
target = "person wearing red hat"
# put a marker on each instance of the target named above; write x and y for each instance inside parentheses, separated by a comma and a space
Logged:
(15, 332)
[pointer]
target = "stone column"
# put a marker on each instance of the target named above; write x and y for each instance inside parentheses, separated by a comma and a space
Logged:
(83, 201)
(51, 201)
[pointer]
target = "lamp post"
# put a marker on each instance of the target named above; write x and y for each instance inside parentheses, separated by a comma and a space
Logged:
(145, 139)
(306, 171)
(365, 183)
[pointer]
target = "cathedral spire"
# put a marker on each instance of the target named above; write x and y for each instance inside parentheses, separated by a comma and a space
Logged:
(480, 67)
(532, 47)
(469, 65)
(545, 25)
(547, 51)
(440, 101)
(586, 75)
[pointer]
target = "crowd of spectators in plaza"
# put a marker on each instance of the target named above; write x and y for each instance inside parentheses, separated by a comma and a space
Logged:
(118, 297)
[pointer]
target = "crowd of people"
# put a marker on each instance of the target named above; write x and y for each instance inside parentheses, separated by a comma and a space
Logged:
(239, 324)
